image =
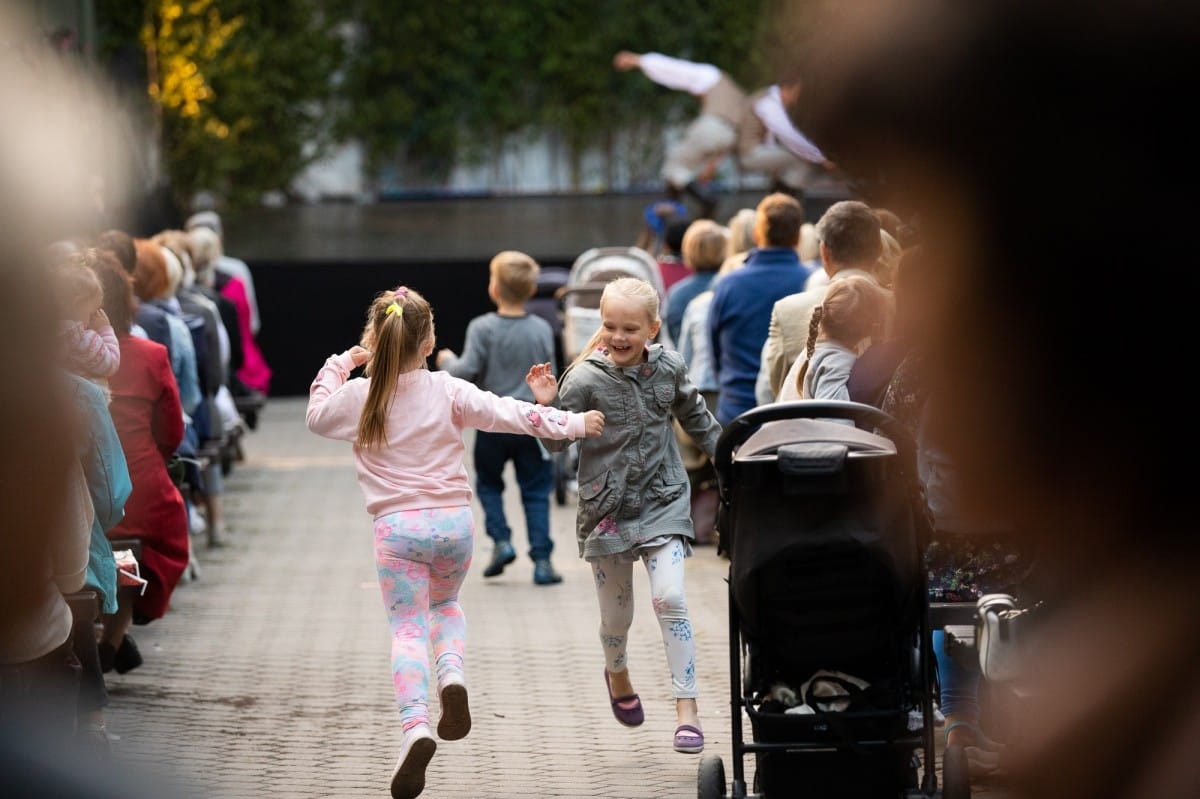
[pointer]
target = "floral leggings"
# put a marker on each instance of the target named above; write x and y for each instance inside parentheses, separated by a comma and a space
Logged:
(614, 589)
(422, 557)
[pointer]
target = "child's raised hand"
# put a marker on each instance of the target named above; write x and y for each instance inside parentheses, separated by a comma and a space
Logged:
(593, 423)
(98, 320)
(542, 383)
(359, 355)
(443, 356)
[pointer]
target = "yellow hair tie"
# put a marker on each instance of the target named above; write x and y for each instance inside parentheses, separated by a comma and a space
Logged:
(395, 309)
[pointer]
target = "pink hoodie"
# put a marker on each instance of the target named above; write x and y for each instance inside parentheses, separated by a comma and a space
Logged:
(421, 463)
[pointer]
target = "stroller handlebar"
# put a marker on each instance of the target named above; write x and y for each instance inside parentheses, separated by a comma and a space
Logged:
(745, 425)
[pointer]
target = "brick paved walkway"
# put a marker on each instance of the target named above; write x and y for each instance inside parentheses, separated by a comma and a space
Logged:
(270, 674)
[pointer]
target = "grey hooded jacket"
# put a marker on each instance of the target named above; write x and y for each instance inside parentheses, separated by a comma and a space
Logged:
(633, 486)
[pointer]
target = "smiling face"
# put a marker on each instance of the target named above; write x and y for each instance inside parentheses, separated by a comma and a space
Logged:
(627, 328)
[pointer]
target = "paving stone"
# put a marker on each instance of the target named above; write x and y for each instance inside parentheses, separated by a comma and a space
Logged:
(270, 674)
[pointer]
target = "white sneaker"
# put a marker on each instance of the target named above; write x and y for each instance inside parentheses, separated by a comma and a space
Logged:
(455, 721)
(408, 778)
(196, 522)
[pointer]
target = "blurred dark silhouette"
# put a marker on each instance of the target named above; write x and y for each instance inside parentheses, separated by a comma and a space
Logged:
(1022, 133)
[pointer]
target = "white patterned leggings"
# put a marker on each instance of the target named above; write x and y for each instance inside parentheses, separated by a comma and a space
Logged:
(614, 589)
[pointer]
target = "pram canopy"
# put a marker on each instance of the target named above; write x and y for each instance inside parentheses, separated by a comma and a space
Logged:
(589, 274)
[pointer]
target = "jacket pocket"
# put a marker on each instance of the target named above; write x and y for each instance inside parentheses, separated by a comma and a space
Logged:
(669, 485)
(664, 394)
(598, 497)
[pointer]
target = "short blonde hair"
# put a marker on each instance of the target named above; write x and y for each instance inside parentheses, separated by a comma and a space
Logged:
(885, 267)
(741, 231)
(810, 245)
(705, 244)
(515, 275)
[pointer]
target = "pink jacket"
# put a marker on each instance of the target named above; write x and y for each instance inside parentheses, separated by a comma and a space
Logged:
(421, 463)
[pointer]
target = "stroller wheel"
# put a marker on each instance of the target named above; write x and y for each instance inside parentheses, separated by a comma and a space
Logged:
(956, 777)
(711, 780)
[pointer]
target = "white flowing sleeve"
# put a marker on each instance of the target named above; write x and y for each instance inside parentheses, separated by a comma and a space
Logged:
(769, 108)
(675, 73)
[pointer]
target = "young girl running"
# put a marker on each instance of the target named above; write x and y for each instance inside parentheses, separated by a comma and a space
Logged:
(633, 489)
(406, 425)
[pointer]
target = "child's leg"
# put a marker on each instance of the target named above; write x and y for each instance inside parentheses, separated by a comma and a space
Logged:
(614, 590)
(535, 476)
(491, 454)
(453, 541)
(666, 570)
(401, 558)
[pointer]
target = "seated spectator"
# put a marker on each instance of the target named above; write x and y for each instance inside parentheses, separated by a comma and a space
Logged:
(853, 312)
(705, 244)
(89, 346)
(657, 215)
(741, 238)
(150, 321)
(109, 486)
(206, 250)
(810, 253)
(671, 265)
(850, 244)
(740, 313)
(157, 275)
(48, 519)
(232, 278)
(235, 267)
(875, 367)
(149, 420)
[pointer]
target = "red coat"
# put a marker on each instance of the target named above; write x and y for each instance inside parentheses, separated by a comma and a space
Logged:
(149, 420)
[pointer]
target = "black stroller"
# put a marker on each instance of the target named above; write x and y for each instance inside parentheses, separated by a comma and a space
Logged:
(829, 646)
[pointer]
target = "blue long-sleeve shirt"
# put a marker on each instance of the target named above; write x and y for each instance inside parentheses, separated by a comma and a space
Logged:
(739, 319)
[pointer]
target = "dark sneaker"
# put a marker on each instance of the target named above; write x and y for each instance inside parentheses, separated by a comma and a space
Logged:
(544, 574)
(502, 555)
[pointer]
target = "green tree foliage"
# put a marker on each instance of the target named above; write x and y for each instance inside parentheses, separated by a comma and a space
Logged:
(434, 82)
(247, 92)
(237, 87)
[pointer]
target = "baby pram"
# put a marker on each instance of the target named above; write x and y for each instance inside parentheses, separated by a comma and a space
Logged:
(824, 526)
(579, 301)
(591, 272)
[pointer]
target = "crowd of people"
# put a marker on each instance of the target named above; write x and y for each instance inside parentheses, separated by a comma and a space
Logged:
(987, 347)
(156, 350)
(829, 311)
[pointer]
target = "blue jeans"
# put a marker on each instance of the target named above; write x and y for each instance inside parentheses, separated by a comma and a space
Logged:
(959, 684)
(535, 478)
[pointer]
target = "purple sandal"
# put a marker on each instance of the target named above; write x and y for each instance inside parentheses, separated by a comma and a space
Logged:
(629, 716)
(688, 739)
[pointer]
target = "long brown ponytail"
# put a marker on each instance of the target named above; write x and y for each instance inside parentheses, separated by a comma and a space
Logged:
(399, 324)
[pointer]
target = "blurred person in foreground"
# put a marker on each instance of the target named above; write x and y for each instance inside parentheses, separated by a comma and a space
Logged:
(42, 162)
(1058, 426)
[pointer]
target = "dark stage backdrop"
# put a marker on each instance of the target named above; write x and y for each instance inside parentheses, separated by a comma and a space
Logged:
(312, 309)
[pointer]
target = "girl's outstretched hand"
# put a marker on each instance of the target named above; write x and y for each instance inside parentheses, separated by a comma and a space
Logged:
(542, 383)
(359, 355)
(593, 424)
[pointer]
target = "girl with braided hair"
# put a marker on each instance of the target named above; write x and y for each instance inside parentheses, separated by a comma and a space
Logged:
(855, 310)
